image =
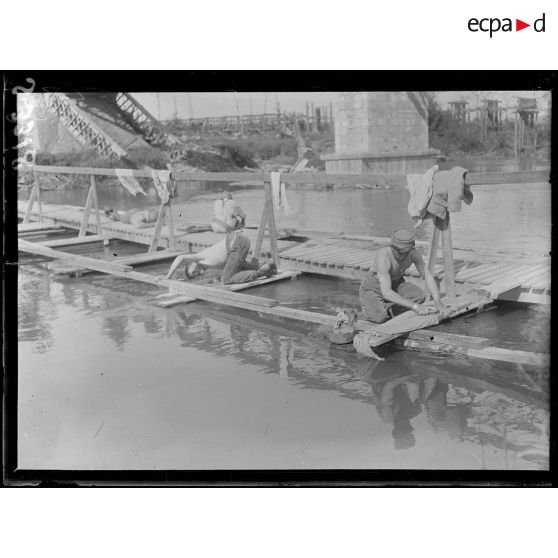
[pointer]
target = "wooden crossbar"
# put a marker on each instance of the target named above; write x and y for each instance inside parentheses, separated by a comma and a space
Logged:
(76, 240)
(83, 261)
(478, 178)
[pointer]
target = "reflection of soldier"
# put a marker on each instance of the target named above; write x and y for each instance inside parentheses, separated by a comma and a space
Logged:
(405, 408)
(435, 402)
(397, 402)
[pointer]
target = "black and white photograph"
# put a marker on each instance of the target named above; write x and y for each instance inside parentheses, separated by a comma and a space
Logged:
(305, 280)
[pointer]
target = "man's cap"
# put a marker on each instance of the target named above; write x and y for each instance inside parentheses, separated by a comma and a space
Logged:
(403, 239)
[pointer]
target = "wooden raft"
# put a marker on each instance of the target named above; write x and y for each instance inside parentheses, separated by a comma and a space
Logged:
(498, 277)
(440, 342)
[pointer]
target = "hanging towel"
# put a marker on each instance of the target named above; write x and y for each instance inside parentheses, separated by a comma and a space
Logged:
(126, 177)
(448, 190)
(420, 188)
(161, 179)
(279, 194)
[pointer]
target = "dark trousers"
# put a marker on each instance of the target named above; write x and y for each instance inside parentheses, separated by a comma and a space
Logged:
(375, 306)
(237, 269)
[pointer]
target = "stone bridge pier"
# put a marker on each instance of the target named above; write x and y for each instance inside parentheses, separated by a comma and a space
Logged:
(382, 133)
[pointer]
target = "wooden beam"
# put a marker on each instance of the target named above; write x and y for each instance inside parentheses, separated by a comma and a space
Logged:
(305, 178)
(158, 227)
(261, 232)
(83, 261)
(39, 202)
(30, 204)
(447, 338)
(86, 213)
(37, 227)
(96, 203)
(170, 223)
(271, 224)
(74, 240)
(488, 353)
(288, 274)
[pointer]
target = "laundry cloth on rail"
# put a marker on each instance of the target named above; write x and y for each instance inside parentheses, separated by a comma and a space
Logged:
(279, 194)
(420, 188)
(163, 184)
(127, 179)
(448, 191)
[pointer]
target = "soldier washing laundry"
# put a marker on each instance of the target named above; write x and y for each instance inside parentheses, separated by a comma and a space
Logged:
(384, 285)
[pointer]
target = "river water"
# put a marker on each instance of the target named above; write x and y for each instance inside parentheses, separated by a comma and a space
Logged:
(109, 381)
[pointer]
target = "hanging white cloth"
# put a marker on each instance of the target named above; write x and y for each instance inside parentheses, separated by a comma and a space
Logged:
(279, 194)
(127, 179)
(161, 182)
(420, 188)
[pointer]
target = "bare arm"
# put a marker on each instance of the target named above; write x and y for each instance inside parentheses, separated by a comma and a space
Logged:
(383, 266)
(177, 261)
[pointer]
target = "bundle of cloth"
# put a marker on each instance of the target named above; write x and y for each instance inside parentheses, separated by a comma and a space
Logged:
(436, 192)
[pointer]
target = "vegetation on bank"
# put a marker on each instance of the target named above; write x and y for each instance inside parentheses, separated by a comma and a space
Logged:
(276, 150)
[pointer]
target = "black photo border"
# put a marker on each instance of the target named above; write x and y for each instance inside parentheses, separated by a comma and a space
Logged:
(221, 81)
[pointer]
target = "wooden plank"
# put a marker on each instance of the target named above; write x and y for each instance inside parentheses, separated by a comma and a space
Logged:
(464, 304)
(488, 353)
(271, 224)
(447, 338)
(150, 257)
(74, 240)
(137, 259)
(288, 274)
(516, 272)
(345, 272)
(542, 282)
(172, 239)
(472, 271)
(30, 204)
(37, 227)
(96, 203)
(542, 274)
(491, 276)
(39, 202)
(323, 256)
(158, 227)
(83, 261)
(527, 296)
(261, 231)
(506, 284)
(86, 213)
(353, 258)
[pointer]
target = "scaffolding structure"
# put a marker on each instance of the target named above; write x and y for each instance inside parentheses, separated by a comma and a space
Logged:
(459, 111)
(490, 116)
(525, 138)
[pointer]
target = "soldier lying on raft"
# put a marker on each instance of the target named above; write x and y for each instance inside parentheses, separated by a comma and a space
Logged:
(142, 218)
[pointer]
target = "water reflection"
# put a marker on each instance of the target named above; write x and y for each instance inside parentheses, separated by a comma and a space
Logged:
(502, 410)
(36, 310)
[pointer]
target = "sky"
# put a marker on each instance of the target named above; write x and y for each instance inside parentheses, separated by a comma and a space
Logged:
(198, 105)
(229, 103)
